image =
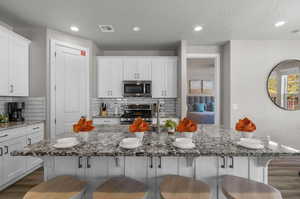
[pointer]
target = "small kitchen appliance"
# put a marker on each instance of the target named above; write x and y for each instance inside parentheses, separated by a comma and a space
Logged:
(137, 88)
(15, 111)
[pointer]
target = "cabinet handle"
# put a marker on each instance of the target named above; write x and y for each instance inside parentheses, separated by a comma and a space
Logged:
(165, 93)
(151, 162)
(88, 165)
(117, 161)
(3, 136)
(138, 75)
(232, 162)
(162, 93)
(79, 162)
(1, 151)
(29, 141)
(6, 148)
(224, 163)
(159, 165)
(11, 88)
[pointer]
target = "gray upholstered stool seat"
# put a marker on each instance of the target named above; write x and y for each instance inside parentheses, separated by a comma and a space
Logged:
(179, 187)
(61, 187)
(235, 187)
(120, 188)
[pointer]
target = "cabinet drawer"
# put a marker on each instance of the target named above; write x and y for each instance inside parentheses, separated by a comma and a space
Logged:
(109, 121)
(13, 133)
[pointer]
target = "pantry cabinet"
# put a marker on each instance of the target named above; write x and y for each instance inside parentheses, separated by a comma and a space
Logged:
(164, 82)
(110, 77)
(14, 64)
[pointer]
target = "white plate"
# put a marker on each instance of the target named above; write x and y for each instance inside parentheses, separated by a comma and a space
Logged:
(130, 146)
(184, 146)
(130, 141)
(250, 140)
(250, 145)
(65, 145)
(70, 139)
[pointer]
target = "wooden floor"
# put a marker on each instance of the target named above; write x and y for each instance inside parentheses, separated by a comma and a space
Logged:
(283, 175)
(18, 190)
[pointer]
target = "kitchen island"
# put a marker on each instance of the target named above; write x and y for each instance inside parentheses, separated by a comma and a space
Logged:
(216, 154)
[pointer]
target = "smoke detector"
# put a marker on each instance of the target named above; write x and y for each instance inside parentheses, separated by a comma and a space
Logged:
(106, 28)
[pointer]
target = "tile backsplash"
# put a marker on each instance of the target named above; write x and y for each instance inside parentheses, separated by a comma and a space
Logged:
(169, 106)
(35, 107)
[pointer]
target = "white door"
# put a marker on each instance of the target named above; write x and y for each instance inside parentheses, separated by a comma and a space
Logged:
(4, 63)
(171, 78)
(158, 78)
(14, 166)
(71, 71)
(19, 66)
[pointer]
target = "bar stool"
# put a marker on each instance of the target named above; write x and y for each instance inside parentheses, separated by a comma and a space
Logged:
(179, 187)
(120, 188)
(234, 187)
(61, 187)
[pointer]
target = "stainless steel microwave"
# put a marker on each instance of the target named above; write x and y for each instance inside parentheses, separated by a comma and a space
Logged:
(137, 89)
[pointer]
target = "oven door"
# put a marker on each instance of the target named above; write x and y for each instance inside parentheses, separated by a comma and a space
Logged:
(134, 89)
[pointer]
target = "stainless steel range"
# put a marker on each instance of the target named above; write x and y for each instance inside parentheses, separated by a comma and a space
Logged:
(132, 111)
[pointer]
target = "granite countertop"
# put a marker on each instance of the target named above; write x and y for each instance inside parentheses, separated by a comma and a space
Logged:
(12, 125)
(105, 142)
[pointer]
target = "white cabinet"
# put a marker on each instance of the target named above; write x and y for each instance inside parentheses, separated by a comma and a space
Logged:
(110, 77)
(164, 78)
(14, 61)
(14, 166)
(4, 63)
(137, 68)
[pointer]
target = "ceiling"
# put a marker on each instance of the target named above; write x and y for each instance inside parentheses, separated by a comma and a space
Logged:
(163, 22)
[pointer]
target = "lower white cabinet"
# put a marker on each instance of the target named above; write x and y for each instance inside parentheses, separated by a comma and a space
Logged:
(14, 167)
(106, 121)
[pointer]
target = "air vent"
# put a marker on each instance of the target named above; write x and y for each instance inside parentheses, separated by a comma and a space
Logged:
(106, 28)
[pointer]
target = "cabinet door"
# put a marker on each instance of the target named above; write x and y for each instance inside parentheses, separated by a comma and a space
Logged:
(110, 71)
(136, 168)
(117, 78)
(206, 170)
(130, 68)
(144, 69)
(14, 166)
(171, 78)
(2, 180)
(4, 63)
(69, 165)
(158, 78)
(19, 66)
(33, 139)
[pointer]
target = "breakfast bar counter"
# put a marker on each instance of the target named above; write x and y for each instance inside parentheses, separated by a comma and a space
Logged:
(208, 142)
(215, 154)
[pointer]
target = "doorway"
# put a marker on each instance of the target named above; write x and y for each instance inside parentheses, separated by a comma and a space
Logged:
(203, 92)
(69, 86)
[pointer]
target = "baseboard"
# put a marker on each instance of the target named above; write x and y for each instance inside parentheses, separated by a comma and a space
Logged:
(29, 171)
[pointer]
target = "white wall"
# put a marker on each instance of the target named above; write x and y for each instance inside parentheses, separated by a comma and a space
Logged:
(251, 62)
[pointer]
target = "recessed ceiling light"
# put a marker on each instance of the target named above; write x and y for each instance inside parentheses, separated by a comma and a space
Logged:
(74, 28)
(198, 28)
(279, 23)
(136, 28)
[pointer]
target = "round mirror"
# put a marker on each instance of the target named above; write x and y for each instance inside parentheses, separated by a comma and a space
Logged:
(284, 85)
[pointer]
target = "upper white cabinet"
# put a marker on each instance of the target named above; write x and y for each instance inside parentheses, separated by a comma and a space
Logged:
(164, 78)
(14, 64)
(137, 68)
(162, 71)
(110, 77)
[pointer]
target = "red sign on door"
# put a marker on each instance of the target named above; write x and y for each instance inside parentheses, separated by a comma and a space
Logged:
(82, 53)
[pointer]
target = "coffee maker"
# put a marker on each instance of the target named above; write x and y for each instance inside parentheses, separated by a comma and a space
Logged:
(15, 111)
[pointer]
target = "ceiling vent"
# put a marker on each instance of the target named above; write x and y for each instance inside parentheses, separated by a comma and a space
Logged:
(106, 28)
